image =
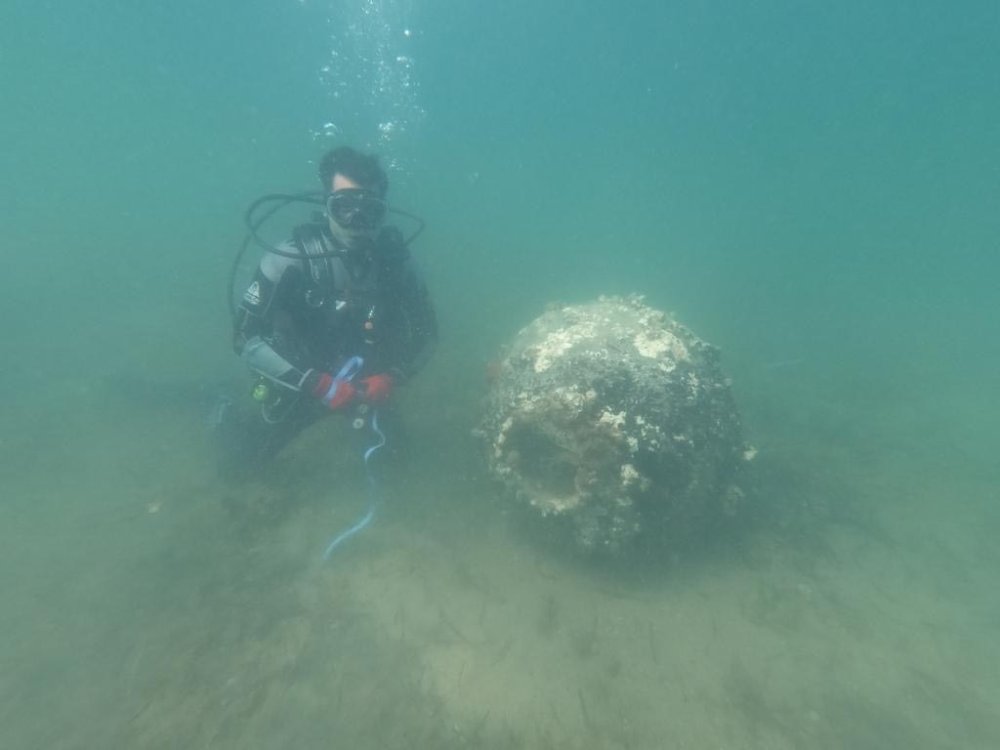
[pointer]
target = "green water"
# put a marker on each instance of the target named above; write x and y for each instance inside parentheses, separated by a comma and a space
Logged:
(811, 186)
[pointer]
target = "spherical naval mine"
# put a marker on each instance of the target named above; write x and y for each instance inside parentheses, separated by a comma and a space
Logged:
(611, 422)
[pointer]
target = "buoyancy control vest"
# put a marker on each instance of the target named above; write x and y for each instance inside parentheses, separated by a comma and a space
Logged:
(351, 294)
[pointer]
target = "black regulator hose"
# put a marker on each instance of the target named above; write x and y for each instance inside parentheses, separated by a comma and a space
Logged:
(253, 224)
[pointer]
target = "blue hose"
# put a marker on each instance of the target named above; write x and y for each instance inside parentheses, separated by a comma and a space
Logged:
(347, 372)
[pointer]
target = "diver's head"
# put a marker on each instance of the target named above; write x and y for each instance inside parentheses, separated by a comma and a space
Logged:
(357, 186)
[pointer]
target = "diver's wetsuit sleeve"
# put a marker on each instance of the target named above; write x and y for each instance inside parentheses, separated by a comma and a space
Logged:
(255, 336)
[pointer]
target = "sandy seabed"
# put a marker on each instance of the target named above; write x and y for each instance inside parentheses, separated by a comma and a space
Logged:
(149, 605)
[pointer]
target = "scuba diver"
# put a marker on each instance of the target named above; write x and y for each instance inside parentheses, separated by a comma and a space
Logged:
(334, 320)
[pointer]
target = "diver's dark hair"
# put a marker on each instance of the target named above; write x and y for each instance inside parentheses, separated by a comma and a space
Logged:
(361, 168)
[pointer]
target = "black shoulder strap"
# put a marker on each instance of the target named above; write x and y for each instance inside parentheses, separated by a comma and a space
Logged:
(392, 250)
(326, 272)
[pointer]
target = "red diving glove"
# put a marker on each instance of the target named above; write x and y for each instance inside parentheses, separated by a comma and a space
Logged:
(377, 388)
(335, 393)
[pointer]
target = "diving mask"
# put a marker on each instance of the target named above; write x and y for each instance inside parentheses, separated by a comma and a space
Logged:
(355, 209)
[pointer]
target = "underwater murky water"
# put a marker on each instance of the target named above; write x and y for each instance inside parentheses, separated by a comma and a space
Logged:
(810, 189)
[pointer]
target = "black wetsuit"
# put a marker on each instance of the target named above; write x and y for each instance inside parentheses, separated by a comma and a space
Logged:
(300, 318)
